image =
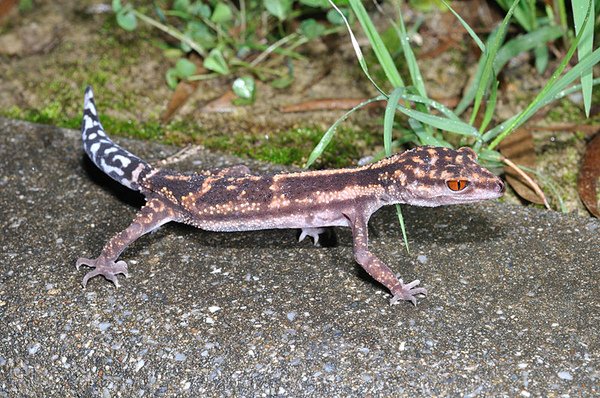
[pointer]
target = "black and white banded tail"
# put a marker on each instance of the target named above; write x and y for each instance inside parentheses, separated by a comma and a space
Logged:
(119, 164)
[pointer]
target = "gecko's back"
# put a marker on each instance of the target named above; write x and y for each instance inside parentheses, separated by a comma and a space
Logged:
(252, 202)
(425, 176)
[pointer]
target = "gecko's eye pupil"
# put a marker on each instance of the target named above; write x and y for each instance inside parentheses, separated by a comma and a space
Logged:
(457, 185)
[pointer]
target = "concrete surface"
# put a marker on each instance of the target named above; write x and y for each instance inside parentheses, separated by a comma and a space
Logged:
(513, 310)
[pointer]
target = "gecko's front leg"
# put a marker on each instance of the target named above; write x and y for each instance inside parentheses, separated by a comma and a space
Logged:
(154, 214)
(375, 267)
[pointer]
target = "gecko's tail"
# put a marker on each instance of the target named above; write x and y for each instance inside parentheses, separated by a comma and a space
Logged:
(119, 164)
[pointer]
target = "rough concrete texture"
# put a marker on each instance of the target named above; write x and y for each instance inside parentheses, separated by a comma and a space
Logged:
(513, 310)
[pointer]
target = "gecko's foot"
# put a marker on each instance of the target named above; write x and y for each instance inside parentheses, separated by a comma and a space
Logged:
(102, 266)
(313, 233)
(407, 292)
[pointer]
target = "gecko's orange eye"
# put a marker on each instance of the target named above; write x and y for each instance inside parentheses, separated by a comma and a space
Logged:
(457, 185)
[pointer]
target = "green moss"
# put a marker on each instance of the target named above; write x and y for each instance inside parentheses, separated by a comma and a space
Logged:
(53, 114)
(50, 114)
(289, 147)
(566, 111)
(571, 160)
(293, 146)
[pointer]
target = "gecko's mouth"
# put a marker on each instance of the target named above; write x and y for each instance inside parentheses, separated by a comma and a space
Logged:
(501, 186)
(492, 190)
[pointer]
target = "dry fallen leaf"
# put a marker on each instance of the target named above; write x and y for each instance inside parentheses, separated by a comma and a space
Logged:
(6, 6)
(182, 92)
(587, 181)
(519, 148)
(223, 104)
(328, 104)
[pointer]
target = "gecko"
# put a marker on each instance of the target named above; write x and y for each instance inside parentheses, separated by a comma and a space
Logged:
(233, 199)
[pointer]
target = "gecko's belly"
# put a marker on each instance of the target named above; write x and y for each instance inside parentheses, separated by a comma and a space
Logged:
(237, 221)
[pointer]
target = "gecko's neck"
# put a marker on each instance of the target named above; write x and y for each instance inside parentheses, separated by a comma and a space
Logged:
(387, 179)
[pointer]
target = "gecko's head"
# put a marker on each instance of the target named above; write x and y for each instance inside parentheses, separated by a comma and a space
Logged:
(434, 176)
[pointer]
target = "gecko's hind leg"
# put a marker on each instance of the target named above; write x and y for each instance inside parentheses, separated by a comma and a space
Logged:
(154, 214)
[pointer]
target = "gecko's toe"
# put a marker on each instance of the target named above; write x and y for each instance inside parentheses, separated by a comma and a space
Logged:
(107, 268)
(313, 233)
(303, 235)
(407, 292)
(84, 261)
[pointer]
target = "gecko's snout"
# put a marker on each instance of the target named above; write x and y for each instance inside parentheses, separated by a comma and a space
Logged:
(500, 186)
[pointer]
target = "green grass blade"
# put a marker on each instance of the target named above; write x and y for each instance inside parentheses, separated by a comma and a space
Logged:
(425, 138)
(494, 132)
(580, 10)
(469, 94)
(388, 123)
(357, 50)
(490, 108)
(432, 104)
(573, 89)
(509, 50)
(492, 158)
(562, 14)
(526, 42)
(542, 57)
(442, 123)
(173, 32)
(525, 16)
(388, 119)
(558, 91)
(488, 70)
(409, 55)
(554, 84)
(381, 52)
(524, 13)
(465, 25)
(326, 139)
(402, 227)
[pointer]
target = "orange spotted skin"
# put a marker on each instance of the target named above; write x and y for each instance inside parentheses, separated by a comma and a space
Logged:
(233, 199)
(291, 200)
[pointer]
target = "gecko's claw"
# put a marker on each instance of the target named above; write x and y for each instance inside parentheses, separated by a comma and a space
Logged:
(313, 233)
(407, 292)
(107, 268)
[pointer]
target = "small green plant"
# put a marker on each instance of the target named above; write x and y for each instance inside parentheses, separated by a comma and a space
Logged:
(248, 39)
(534, 17)
(25, 5)
(430, 122)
